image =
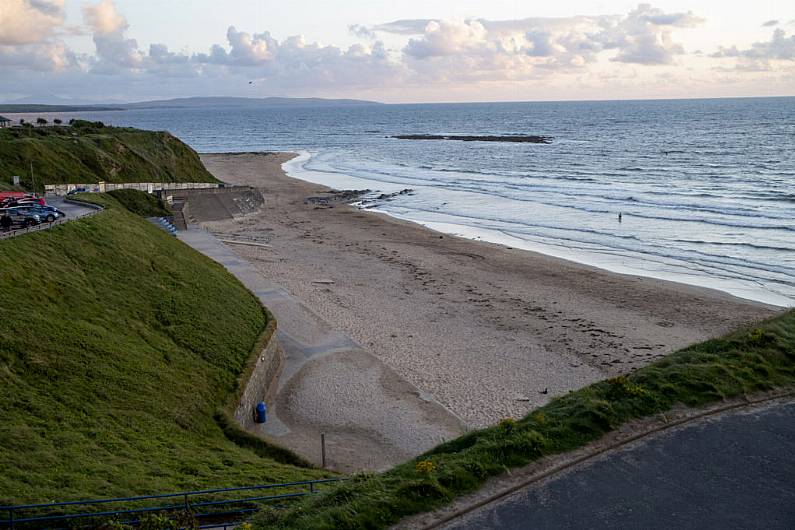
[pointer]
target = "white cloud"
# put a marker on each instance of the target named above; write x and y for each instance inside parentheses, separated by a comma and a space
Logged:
(533, 47)
(104, 18)
(29, 35)
(761, 55)
(114, 50)
(29, 21)
(455, 58)
(45, 56)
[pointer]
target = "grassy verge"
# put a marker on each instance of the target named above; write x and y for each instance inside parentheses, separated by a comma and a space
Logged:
(90, 152)
(141, 203)
(118, 346)
(751, 360)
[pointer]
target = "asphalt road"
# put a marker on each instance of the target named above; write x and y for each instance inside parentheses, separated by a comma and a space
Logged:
(734, 471)
(71, 210)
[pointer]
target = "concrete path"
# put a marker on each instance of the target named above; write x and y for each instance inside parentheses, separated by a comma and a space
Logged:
(736, 470)
(373, 419)
(72, 210)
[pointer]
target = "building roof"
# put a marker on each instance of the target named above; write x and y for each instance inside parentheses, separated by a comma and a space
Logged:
(3, 118)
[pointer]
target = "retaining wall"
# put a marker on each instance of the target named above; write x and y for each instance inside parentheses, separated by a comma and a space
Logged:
(260, 384)
(149, 187)
(219, 204)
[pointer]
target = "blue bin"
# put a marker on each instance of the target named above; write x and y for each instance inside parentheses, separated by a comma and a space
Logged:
(261, 412)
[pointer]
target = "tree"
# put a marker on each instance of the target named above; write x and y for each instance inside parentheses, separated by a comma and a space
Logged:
(56, 121)
(41, 121)
(22, 121)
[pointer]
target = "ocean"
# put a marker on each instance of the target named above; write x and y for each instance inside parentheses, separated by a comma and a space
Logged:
(705, 188)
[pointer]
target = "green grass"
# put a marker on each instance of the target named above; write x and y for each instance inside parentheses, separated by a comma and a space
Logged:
(141, 203)
(88, 153)
(758, 359)
(119, 346)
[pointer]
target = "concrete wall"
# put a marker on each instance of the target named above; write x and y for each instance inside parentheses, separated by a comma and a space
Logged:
(219, 204)
(260, 384)
(149, 187)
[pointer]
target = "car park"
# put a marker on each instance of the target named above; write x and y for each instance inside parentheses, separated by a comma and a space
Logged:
(47, 214)
(21, 217)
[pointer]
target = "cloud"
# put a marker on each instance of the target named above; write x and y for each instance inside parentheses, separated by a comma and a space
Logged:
(427, 56)
(44, 57)
(770, 23)
(403, 27)
(645, 35)
(532, 47)
(29, 21)
(761, 55)
(29, 32)
(104, 18)
(114, 51)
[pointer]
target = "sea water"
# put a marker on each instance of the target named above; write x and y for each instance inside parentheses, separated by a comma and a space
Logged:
(705, 188)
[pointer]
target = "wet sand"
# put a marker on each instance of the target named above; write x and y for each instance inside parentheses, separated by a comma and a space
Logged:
(486, 330)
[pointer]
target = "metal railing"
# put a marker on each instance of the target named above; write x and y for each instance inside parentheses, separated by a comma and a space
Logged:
(202, 504)
(44, 225)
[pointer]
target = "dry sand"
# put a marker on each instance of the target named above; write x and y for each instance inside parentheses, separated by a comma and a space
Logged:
(488, 331)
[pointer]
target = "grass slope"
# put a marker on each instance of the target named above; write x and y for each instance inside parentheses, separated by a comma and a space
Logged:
(752, 360)
(141, 203)
(118, 344)
(88, 153)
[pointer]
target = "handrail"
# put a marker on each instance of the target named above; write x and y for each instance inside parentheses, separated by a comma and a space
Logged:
(168, 495)
(13, 519)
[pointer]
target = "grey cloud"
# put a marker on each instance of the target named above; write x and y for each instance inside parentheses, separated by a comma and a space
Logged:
(403, 27)
(363, 32)
(643, 36)
(779, 47)
(770, 23)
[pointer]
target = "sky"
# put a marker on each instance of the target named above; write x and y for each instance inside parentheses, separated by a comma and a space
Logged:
(395, 51)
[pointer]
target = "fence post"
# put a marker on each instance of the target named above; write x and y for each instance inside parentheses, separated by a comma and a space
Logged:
(187, 504)
(323, 449)
(11, 518)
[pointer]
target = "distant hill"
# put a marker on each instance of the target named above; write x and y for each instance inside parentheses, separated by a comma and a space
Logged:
(195, 102)
(26, 106)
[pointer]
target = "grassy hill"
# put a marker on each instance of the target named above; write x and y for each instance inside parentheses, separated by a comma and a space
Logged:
(118, 344)
(89, 152)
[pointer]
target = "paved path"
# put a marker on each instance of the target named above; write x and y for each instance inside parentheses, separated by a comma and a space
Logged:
(732, 471)
(72, 210)
(372, 418)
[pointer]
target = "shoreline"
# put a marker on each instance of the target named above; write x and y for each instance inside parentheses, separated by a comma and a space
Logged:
(742, 289)
(489, 332)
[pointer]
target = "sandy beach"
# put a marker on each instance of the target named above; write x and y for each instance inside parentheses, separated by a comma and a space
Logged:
(486, 330)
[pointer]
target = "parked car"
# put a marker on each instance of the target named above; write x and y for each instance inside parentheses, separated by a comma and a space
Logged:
(76, 190)
(21, 217)
(27, 200)
(46, 213)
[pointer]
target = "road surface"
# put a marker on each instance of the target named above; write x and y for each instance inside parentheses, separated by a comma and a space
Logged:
(733, 471)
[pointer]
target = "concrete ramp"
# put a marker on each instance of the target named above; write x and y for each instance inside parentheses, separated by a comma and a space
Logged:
(218, 204)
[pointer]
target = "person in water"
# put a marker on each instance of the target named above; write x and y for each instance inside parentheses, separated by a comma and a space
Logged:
(619, 217)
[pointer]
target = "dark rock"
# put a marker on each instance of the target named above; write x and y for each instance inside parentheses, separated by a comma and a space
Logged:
(514, 138)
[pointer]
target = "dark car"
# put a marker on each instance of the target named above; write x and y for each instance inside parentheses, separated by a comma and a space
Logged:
(46, 213)
(21, 217)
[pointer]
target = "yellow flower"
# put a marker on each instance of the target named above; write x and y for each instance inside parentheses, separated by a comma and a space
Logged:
(426, 467)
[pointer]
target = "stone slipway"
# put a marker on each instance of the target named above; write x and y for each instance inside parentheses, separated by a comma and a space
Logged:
(372, 418)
